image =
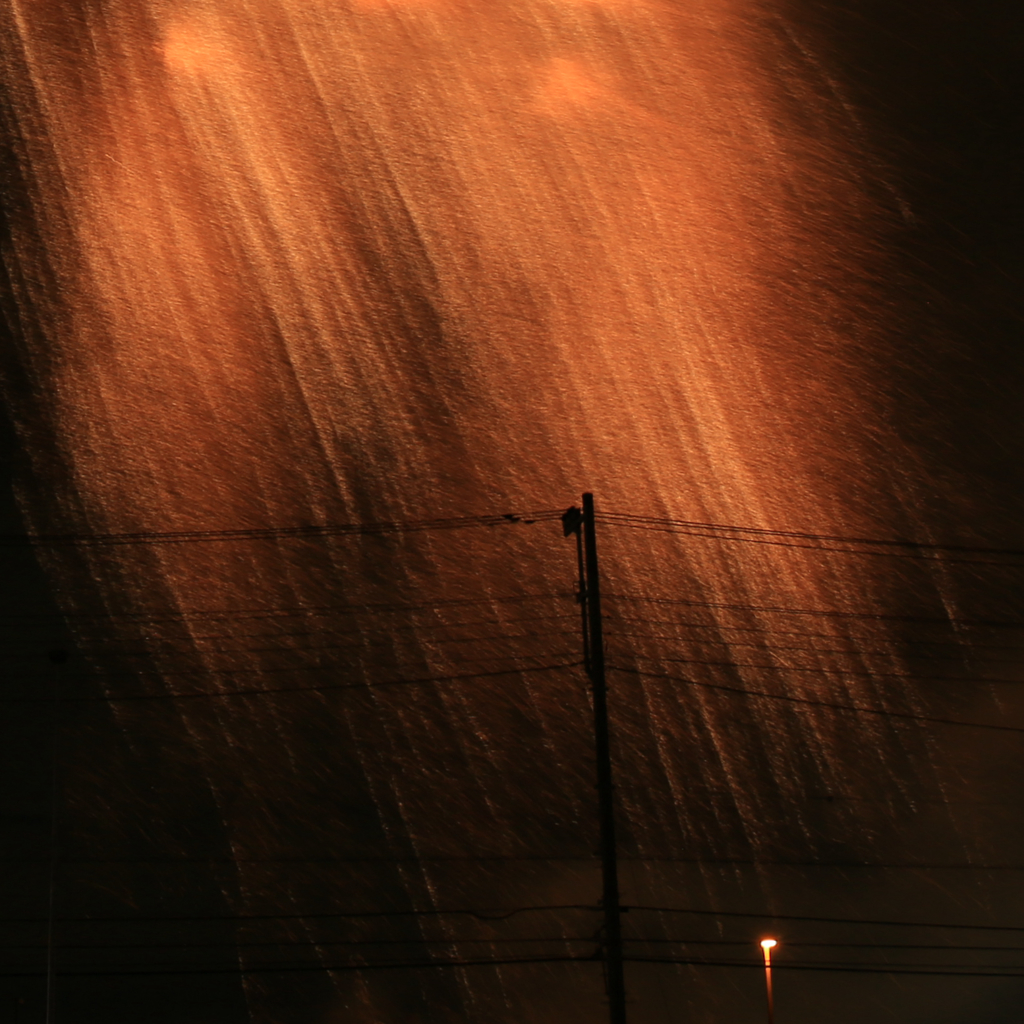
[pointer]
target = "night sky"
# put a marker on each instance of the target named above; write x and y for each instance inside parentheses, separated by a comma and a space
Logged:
(317, 316)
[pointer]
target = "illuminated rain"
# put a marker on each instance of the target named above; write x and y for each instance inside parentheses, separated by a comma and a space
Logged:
(276, 266)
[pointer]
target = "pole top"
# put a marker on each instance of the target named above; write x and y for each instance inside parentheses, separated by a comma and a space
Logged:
(572, 520)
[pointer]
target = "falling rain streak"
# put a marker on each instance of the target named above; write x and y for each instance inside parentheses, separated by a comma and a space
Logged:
(280, 268)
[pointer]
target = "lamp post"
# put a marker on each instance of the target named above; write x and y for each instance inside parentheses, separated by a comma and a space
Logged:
(767, 945)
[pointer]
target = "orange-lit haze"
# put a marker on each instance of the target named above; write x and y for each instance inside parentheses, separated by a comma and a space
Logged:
(298, 262)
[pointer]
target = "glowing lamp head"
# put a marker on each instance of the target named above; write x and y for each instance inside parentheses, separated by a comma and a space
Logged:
(767, 944)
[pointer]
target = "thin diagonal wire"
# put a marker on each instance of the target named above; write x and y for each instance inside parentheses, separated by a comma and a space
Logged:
(804, 701)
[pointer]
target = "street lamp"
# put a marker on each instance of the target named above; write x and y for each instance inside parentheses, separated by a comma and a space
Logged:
(767, 945)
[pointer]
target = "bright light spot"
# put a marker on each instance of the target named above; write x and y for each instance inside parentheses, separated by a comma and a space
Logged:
(568, 83)
(196, 47)
(768, 943)
(394, 5)
(622, 4)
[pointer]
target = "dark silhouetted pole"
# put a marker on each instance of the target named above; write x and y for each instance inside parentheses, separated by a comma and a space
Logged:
(590, 589)
(57, 657)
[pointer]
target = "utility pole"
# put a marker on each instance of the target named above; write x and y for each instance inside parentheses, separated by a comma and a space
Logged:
(57, 658)
(582, 525)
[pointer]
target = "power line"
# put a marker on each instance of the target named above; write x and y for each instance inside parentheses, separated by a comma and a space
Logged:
(800, 535)
(895, 641)
(424, 641)
(277, 532)
(790, 943)
(857, 652)
(284, 611)
(952, 971)
(314, 945)
(325, 943)
(507, 913)
(319, 968)
(964, 645)
(916, 557)
(768, 916)
(493, 941)
(823, 612)
(203, 671)
(947, 971)
(363, 631)
(235, 535)
(791, 539)
(479, 913)
(819, 703)
(855, 673)
(262, 670)
(754, 534)
(182, 645)
(309, 630)
(211, 862)
(259, 692)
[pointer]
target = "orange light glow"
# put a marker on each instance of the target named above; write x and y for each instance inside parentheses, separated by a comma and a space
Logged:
(569, 83)
(768, 944)
(628, 4)
(196, 47)
(395, 6)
